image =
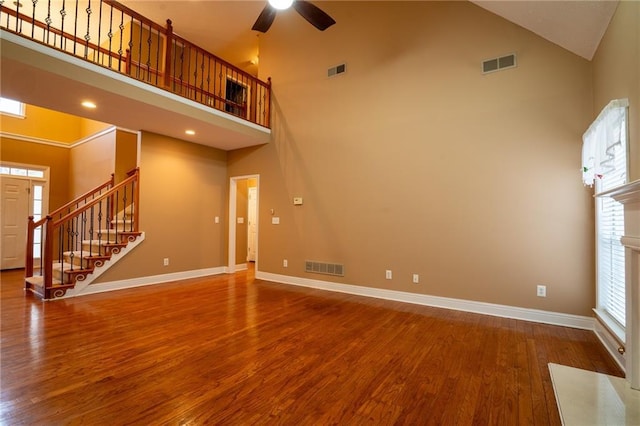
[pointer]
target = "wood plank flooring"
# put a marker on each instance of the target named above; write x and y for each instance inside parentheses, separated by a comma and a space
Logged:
(232, 350)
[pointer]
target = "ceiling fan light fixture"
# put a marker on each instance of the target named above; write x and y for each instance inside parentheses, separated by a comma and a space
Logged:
(281, 4)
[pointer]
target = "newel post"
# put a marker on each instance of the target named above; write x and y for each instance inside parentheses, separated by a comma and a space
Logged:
(268, 103)
(47, 263)
(28, 266)
(167, 56)
(136, 199)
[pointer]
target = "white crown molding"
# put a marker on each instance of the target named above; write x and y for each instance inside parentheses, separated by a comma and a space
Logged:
(514, 312)
(67, 145)
(35, 140)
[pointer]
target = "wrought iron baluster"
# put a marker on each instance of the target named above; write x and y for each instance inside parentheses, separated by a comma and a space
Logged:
(209, 80)
(48, 21)
(82, 237)
(189, 72)
(91, 230)
(159, 46)
(132, 206)
(116, 214)
(131, 24)
(63, 14)
(97, 52)
(33, 18)
(17, 16)
(100, 226)
(110, 36)
(87, 36)
(148, 63)
(120, 51)
(75, 28)
(1, 6)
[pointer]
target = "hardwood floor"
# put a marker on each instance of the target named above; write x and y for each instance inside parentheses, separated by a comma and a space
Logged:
(234, 350)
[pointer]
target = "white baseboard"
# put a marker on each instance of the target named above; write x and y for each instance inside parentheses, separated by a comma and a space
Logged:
(514, 312)
(150, 280)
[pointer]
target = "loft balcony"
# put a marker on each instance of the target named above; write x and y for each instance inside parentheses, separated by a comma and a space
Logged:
(142, 75)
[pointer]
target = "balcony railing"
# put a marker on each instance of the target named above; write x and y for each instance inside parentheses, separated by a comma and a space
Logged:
(114, 36)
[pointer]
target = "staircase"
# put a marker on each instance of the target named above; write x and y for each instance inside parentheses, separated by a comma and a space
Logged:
(71, 247)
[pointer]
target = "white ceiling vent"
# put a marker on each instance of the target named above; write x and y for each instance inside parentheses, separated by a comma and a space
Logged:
(324, 268)
(338, 69)
(498, 64)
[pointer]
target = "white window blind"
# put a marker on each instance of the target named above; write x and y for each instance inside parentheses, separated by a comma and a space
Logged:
(605, 164)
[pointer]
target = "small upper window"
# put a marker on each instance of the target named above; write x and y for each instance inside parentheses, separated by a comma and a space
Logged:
(11, 107)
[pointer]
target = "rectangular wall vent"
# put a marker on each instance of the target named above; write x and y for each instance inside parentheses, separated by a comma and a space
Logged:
(338, 69)
(324, 268)
(497, 64)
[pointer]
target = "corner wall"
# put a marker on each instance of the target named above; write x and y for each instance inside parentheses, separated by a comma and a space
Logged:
(416, 162)
(183, 186)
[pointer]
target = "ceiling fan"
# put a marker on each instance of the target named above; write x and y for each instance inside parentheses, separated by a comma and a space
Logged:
(308, 11)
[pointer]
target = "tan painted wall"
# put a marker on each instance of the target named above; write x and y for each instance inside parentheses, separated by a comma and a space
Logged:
(50, 125)
(54, 157)
(91, 163)
(616, 73)
(183, 187)
(242, 205)
(416, 162)
(126, 153)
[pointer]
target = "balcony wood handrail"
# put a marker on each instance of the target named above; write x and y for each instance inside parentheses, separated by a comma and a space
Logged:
(151, 56)
(61, 34)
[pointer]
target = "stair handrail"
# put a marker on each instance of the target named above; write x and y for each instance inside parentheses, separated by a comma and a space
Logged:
(94, 201)
(84, 196)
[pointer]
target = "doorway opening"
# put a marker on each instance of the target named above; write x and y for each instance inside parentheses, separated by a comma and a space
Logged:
(244, 195)
(237, 95)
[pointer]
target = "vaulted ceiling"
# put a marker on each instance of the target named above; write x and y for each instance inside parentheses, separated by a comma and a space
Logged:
(224, 27)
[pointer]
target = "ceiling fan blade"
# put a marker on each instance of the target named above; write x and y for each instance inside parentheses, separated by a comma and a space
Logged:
(313, 14)
(264, 21)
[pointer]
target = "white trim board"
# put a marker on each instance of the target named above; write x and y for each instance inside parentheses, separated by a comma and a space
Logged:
(150, 280)
(513, 312)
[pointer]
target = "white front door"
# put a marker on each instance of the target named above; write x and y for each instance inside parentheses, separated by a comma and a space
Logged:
(253, 221)
(15, 213)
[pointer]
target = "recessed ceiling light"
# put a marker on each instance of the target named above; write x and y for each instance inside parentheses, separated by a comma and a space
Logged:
(190, 132)
(89, 104)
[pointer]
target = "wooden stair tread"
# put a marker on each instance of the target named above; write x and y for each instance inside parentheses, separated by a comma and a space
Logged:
(38, 280)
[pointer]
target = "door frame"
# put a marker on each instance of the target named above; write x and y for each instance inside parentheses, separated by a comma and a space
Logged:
(233, 198)
(31, 182)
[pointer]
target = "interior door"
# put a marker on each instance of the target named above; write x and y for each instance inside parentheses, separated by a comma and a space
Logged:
(15, 212)
(253, 220)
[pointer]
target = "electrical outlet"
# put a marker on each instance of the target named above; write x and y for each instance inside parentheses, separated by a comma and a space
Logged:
(416, 278)
(542, 291)
(165, 262)
(388, 274)
(285, 263)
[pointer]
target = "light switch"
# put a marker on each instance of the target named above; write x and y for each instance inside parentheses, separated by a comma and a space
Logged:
(241, 220)
(217, 219)
(275, 220)
(297, 201)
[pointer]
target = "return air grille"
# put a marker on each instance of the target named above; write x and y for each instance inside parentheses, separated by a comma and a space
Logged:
(497, 64)
(324, 268)
(338, 69)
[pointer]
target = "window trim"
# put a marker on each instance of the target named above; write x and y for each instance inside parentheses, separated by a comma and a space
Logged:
(20, 114)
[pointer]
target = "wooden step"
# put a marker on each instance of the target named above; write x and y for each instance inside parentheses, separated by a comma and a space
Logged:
(36, 285)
